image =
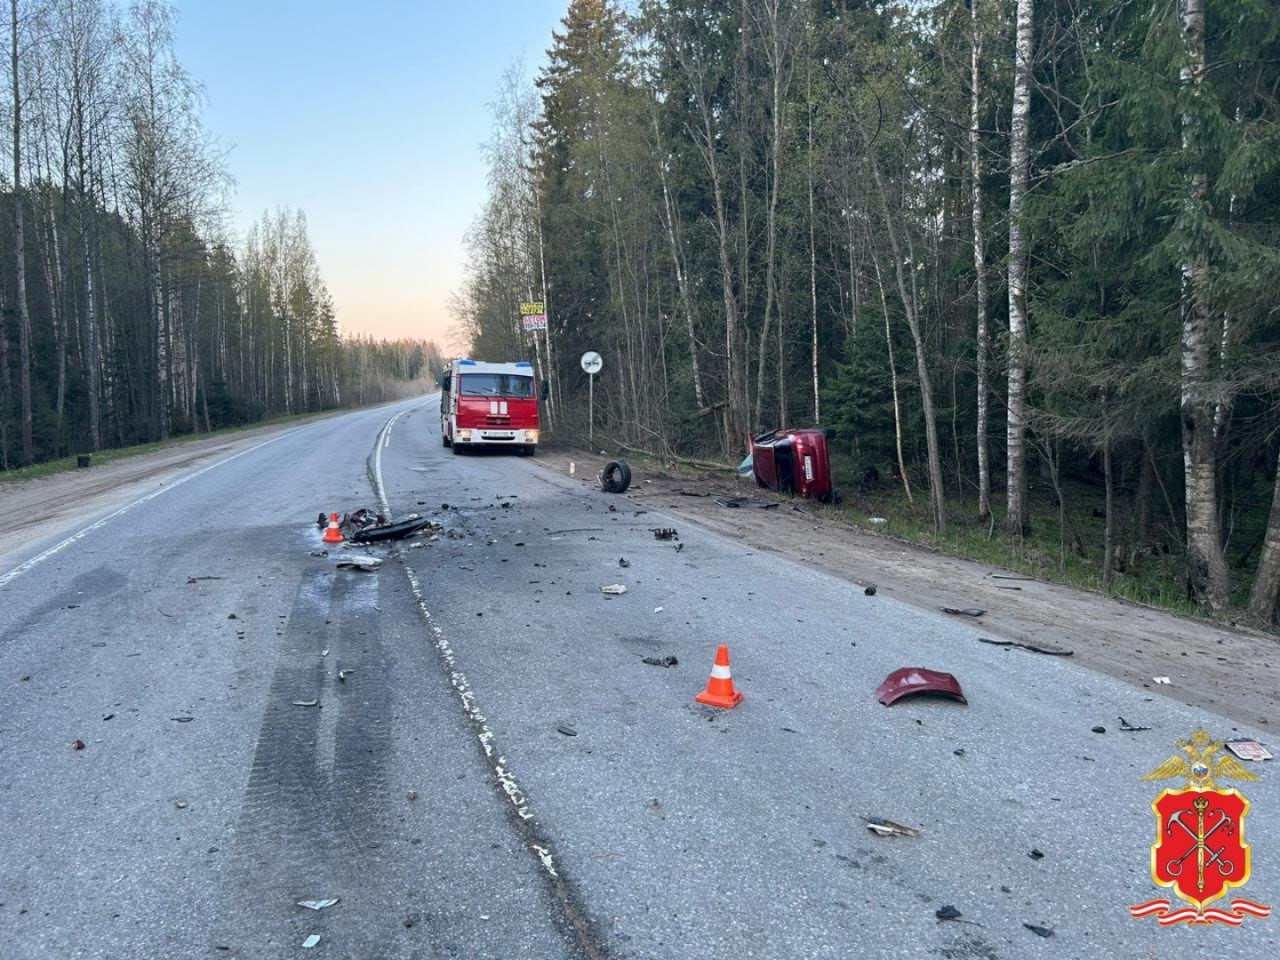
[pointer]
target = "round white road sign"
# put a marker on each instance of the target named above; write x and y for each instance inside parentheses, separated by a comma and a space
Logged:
(592, 362)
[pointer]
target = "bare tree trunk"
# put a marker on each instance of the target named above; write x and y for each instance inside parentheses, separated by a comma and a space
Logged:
(937, 494)
(893, 382)
(1109, 522)
(1266, 582)
(20, 254)
(1208, 580)
(813, 253)
(979, 263)
(1016, 516)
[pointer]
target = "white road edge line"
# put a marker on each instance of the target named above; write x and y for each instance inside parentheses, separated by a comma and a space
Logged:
(39, 558)
(461, 686)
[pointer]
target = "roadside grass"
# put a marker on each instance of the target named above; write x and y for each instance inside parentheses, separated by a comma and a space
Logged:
(101, 457)
(1153, 577)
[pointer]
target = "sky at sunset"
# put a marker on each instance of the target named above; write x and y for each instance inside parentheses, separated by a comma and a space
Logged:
(368, 116)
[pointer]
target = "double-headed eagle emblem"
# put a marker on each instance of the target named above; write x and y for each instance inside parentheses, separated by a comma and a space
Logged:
(1202, 761)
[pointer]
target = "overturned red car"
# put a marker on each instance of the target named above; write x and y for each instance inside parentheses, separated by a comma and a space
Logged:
(795, 462)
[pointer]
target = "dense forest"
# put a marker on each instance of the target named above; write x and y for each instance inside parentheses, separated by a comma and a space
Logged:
(992, 243)
(128, 311)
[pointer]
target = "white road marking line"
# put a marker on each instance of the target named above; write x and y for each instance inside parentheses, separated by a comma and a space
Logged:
(98, 524)
(379, 445)
(461, 686)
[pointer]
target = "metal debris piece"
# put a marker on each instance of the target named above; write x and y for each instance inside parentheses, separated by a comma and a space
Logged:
(305, 703)
(180, 804)
(317, 904)
(77, 745)
(887, 828)
(665, 533)
(613, 590)
(965, 612)
(623, 562)
(1050, 650)
(1248, 749)
(182, 719)
(1039, 931)
(1006, 576)
(658, 609)
(1036, 854)
(1127, 727)
(735, 503)
(319, 553)
(912, 680)
(390, 531)
(343, 674)
(1164, 680)
(310, 942)
(870, 590)
(567, 730)
(660, 661)
(948, 912)
(1099, 729)
(359, 562)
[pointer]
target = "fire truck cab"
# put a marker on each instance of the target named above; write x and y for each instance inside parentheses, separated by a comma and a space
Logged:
(489, 404)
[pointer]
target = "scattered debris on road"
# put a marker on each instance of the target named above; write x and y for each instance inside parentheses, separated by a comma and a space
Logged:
(910, 681)
(1128, 727)
(1248, 750)
(180, 804)
(1163, 680)
(1051, 651)
(198, 579)
(305, 703)
(343, 674)
(660, 661)
(665, 533)
(567, 730)
(1099, 729)
(319, 553)
(965, 612)
(613, 590)
(623, 562)
(182, 719)
(658, 609)
(317, 904)
(390, 531)
(615, 477)
(1036, 854)
(888, 828)
(311, 941)
(870, 590)
(1009, 576)
(77, 745)
(1039, 931)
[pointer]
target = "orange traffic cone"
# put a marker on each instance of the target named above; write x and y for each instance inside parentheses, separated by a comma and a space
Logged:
(333, 534)
(720, 692)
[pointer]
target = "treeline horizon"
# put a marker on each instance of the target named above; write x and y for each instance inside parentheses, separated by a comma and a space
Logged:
(1004, 247)
(129, 313)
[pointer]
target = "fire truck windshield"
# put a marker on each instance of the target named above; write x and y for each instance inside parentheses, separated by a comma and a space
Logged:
(496, 385)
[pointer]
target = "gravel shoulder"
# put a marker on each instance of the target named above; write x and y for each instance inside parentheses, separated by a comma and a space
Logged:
(1232, 671)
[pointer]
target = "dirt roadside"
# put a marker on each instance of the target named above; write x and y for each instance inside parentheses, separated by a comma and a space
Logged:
(1231, 671)
(47, 506)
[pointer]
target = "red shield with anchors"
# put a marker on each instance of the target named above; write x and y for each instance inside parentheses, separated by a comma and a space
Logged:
(1201, 852)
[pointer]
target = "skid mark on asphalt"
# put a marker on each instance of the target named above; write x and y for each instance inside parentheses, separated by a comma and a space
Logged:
(315, 812)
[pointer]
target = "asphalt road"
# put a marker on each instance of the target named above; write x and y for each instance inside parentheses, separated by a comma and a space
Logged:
(435, 793)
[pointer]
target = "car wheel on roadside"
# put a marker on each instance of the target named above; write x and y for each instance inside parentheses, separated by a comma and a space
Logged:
(616, 476)
(444, 438)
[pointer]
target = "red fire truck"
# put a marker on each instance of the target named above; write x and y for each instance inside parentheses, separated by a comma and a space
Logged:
(489, 404)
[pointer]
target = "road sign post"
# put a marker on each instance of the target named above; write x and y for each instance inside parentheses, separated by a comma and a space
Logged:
(592, 363)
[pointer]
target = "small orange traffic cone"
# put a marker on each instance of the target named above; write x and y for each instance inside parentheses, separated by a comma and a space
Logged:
(333, 534)
(720, 692)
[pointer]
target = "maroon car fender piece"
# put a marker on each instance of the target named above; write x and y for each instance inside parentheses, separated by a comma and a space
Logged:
(913, 680)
